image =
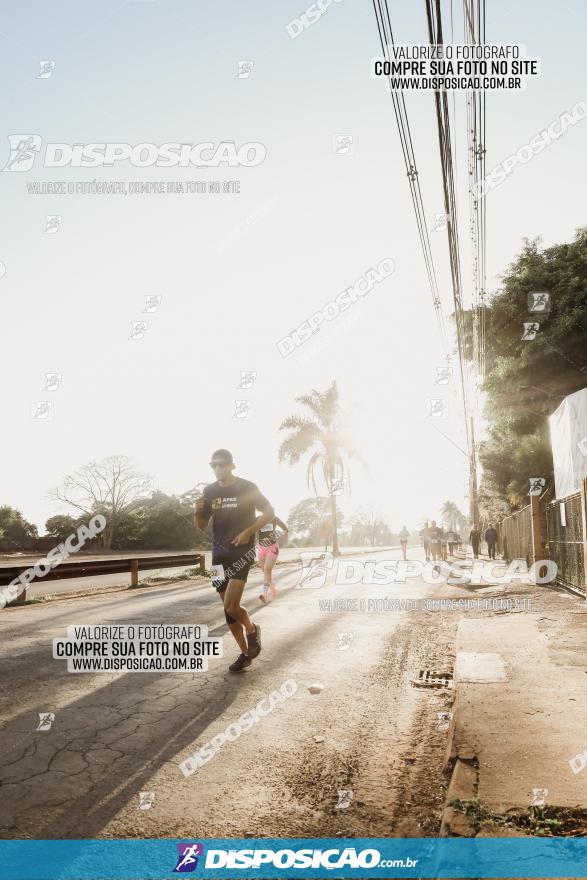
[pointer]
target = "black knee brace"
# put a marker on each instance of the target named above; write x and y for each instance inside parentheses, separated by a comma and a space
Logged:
(230, 618)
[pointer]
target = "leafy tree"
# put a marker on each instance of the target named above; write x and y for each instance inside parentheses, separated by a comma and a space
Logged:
(112, 487)
(526, 379)
(154, 522)
(450, 513)
(62, 526)
(321, 433)
(369, 527)
(163, 522)
(15, 532)
(310, 522)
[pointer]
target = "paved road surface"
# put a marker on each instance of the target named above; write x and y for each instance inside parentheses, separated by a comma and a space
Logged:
(42, 587)
(116, 735)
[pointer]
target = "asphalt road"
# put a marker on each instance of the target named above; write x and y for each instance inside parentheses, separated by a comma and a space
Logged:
(368, 731)
(43, 587)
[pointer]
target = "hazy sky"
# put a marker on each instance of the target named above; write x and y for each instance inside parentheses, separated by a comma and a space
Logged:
(237, 272)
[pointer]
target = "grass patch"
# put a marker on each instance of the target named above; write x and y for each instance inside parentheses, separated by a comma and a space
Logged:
(188, 574)
(544, 821)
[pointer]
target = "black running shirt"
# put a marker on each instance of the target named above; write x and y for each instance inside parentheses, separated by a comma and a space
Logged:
(233, 509)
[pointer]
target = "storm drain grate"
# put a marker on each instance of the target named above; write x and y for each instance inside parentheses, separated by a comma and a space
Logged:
(427, 678)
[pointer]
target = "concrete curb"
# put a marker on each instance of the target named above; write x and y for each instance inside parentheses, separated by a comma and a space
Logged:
(460, 763)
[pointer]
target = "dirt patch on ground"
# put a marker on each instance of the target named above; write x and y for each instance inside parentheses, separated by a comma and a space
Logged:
(392, 756)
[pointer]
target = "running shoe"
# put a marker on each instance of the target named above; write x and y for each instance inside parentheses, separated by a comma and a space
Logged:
(254, 642)
(263, 599)
(240, 664)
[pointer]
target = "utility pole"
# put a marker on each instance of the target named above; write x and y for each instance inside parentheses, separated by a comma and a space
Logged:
(473, 492)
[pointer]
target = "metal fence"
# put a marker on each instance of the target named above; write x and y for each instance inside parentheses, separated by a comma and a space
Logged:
(564, 518)
(515, 536)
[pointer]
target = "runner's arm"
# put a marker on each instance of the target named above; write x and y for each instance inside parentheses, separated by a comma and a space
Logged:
(203, 513)
(267, 515)
(280, 523)
(245, 536)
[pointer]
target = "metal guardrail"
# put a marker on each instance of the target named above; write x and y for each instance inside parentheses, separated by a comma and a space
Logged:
(120, 565)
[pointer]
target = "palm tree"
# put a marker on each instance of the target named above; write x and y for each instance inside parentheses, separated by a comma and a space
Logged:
(450, 513)
(320, 432)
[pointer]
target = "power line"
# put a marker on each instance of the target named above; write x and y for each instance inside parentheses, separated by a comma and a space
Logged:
(386, 38)
(447, 166)
(476, 140)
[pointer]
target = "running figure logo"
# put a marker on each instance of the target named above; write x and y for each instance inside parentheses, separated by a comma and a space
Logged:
(42, 410)
(539, 301)
(437, 408)
(247, 379)
(53, 381)
(443, 375)
(146, 800)
(187, 859)
(441, 222)
(344, 641)
(530, 331)
(47, 68)
(337, 486)
(245, 68)
(152, 303)
(537, 484)
(342, 145)
(443, 720)
(46, 719)
(539, 797)
(345, 796)
(241, 409)
(52, 223)
(314, 570)
(23, 149)
(138, 329)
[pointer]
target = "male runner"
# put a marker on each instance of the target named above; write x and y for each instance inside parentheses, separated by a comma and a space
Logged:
(435, 538)
(425, 535)
(232, 503)
(491, 538)
(475, 540)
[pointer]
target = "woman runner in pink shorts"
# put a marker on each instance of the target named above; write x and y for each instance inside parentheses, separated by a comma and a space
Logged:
(267, 553)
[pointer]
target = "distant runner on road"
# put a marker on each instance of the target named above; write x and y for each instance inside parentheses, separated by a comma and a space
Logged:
(403, 539)
(267, 552)
(435, 536)
(443, 543)
(491, 538)
(425, 535)
(452, 540)
(232, 503)
(475, 540)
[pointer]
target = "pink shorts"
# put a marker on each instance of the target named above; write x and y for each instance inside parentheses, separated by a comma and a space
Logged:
(271, 550)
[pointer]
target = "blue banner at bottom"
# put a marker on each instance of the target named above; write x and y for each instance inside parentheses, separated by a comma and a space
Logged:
(296, 857)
